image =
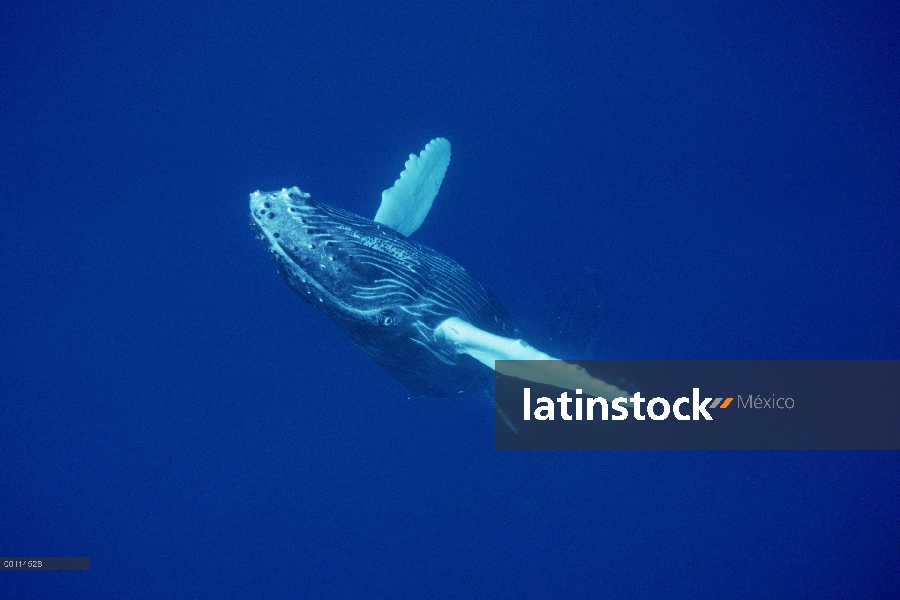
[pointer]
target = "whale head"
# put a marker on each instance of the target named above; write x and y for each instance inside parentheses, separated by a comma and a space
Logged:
(337, 260)
(312, 252)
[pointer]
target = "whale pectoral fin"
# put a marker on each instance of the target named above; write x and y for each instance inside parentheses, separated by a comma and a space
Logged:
(405, 206)
(486, 348)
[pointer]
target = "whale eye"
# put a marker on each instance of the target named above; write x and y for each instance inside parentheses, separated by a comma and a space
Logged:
(388, 318)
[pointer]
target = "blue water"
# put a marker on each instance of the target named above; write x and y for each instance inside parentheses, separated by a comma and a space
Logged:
(170, 409)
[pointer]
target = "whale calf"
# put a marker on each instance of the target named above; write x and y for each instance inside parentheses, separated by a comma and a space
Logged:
(417, 313)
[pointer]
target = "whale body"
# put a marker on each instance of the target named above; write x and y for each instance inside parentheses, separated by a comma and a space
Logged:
(417, 313)
(388, 293)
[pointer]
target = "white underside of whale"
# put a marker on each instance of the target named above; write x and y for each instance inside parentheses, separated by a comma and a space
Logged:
(403, 208)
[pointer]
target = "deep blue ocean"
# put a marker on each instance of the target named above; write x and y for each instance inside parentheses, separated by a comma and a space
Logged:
(723, 176)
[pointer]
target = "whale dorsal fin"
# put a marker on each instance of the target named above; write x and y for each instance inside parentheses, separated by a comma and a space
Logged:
(486, 348)
(405, 205)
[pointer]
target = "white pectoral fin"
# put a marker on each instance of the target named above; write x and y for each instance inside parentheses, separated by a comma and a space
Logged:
(488, 348)
(405, 206)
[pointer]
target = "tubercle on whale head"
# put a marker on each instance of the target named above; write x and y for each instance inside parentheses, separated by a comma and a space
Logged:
(275, 216)
(273, 212)
(315, 263)
(279, 221)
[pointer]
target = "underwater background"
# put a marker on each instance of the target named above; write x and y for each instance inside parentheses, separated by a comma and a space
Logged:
(654, 180)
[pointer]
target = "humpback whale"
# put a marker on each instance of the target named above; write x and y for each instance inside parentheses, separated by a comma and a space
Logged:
(415, 312)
